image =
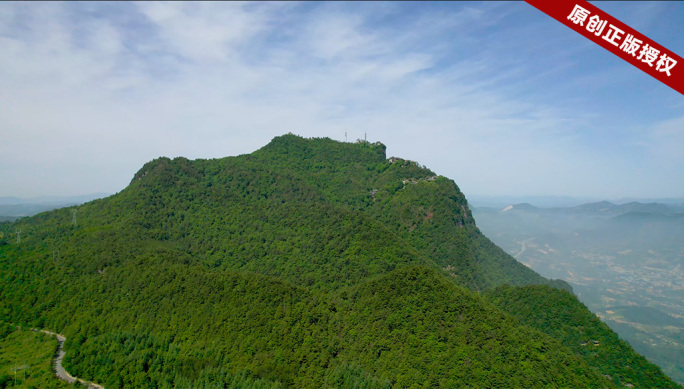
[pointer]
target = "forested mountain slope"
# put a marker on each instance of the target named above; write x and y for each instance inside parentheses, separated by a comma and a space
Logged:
(308, 263)
(559, 314)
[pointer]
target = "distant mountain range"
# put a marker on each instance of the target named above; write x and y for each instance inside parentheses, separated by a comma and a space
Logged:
(79, 199)
(12, 208)
(500, 202)
(601, 208)
(625, 261)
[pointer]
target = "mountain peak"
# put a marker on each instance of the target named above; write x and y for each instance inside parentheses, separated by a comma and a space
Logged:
(525, 207)
(324, 149)
(601, 206)
(287, 263)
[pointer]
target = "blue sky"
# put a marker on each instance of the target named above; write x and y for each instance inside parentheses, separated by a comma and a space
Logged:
(497, 96)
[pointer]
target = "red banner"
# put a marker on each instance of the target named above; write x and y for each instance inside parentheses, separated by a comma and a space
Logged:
(618, 38)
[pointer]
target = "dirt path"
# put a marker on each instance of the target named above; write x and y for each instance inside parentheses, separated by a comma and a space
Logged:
(59, 369)
(523, 248)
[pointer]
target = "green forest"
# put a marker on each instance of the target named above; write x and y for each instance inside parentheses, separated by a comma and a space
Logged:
(26, 359)
(309, 263)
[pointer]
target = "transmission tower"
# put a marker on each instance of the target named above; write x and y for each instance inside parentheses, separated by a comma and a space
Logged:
(73, 219)
(15, 368)
(18, 232)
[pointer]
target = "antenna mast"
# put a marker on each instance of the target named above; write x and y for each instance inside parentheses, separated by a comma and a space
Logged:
(15, 368)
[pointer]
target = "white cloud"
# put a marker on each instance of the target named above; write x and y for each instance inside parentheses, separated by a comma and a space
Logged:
(204, 32)
(332, 37)
(93, 98)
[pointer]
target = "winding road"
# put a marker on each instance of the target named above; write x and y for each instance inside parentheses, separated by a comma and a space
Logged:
(59, 369)
(523, 248)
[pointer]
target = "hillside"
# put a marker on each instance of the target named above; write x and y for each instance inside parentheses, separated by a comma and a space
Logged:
(624, 264)
(559, 314)
(308, 263)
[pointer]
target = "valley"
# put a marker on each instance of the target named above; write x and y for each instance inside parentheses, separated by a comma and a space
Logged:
(626, 268)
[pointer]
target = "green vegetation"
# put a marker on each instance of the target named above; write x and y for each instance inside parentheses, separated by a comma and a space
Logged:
(308, 263)
(30, 354)
(561, 315)
(622, 267)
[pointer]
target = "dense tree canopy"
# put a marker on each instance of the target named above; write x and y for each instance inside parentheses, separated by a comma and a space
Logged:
(308, 263)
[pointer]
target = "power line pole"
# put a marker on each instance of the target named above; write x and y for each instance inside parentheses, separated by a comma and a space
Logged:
(15, 368)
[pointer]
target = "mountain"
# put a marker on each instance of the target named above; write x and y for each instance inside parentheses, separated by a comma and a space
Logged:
(307, 263)
(600, 207)
(524, 207)
(12, 208)
(575, 327)
(500, 202)
(653, 208)
(610, 209)
(623, 260)
(80, 199)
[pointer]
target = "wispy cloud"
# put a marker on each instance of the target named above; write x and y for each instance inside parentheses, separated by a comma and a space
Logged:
(92, 91)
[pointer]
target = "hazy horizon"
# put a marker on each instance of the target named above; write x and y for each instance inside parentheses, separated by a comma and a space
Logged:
(475, 200)
(498, 97)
